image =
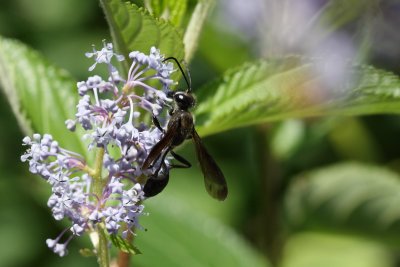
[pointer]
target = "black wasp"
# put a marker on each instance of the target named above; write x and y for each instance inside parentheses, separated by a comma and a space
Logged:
(179, 128)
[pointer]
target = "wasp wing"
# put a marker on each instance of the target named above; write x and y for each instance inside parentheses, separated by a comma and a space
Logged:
(158, 148)
(214, 179)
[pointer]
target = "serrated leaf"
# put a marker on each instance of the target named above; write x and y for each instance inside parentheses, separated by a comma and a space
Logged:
(133, 28)
(347, 197)
(41, 96)
(179, 236)
(271, 90)
(124, 245)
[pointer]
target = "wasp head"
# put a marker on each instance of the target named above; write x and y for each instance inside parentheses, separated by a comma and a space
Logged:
(184, 100)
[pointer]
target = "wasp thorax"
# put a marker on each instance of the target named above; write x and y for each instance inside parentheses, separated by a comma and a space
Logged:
(184, 100)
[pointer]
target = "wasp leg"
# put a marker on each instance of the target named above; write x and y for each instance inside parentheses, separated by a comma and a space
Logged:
(157, 124)
(185, 163)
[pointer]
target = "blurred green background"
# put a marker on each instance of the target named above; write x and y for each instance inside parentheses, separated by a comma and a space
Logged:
(259, 220)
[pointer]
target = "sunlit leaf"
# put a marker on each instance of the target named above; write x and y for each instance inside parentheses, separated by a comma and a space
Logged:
(156, 6)
(177, 10)
(271, 90)
(41, 96)
(133, 28)
(351, 198)
(172, 10)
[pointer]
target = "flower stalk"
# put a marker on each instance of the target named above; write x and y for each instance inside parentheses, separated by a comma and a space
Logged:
(98, 183)
(103, 253)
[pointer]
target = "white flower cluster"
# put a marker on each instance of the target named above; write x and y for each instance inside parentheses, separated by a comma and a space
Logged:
(110, 112)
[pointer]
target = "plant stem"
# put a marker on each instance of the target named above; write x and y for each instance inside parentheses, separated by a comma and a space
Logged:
(96, 175)
(98, 185)
(270, 237)
(195, 26)
(103, 257)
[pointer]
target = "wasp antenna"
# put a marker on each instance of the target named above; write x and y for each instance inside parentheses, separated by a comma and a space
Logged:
(188, 81)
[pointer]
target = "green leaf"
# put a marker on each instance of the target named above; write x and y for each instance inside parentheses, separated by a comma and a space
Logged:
(349, 198)
(133, 28)
(177, 10)
(173, 10)
(155, 6)
(279, 89)
(41, 96)
(215, 44)
(21, 222)
(179, 236)
(124, 245)
(312, 249)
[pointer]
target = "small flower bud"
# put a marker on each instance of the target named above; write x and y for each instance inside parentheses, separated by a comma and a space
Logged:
(77, 230)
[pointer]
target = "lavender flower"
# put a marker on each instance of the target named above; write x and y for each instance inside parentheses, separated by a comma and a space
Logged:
(110, 112)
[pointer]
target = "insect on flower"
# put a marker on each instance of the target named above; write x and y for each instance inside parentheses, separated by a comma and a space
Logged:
(179, 128)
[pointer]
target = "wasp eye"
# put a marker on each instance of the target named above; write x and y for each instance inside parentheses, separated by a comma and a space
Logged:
(179, 97)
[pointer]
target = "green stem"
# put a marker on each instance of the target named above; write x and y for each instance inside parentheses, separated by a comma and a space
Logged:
(195, 26)
(103, 257)
(96, 173)
(270, 236)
